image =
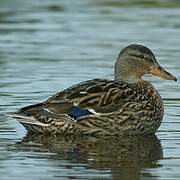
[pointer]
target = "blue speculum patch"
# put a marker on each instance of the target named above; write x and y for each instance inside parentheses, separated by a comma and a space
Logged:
(77, 112)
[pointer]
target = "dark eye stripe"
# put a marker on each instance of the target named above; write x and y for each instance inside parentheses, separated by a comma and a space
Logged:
(147, 58)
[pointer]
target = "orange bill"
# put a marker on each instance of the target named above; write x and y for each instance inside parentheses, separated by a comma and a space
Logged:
(159, 71)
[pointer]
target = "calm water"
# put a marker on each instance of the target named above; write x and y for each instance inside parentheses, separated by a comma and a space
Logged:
(46, 46)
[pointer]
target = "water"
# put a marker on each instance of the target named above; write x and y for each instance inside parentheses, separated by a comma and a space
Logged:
(46, 46)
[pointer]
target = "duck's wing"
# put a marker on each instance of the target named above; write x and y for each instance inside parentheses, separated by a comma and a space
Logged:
(95, 96)
(88, 98)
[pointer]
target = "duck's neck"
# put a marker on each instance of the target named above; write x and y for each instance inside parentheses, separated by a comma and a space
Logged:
(126, 75)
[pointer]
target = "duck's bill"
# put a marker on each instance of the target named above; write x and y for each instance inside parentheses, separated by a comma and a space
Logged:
(159, 71)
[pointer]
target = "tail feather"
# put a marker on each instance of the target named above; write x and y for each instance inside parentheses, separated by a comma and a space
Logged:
(23, 119)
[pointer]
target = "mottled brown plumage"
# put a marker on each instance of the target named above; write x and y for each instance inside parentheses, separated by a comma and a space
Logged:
(126, 105)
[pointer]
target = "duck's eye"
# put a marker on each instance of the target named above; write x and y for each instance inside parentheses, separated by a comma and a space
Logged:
(141, 56)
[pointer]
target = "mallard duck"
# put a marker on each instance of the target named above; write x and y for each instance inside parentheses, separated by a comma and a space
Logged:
(126, 105)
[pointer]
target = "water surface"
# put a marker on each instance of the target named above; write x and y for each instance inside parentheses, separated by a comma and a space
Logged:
(46, 46)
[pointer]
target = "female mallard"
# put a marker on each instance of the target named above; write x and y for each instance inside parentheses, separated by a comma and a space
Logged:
(126, 105)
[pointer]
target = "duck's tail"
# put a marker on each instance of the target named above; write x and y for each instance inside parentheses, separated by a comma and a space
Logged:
(29, 122)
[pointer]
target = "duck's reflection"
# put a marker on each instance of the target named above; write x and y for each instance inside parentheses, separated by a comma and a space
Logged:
(126, 157)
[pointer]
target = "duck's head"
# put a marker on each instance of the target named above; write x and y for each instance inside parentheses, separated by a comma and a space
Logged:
(136, 60)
